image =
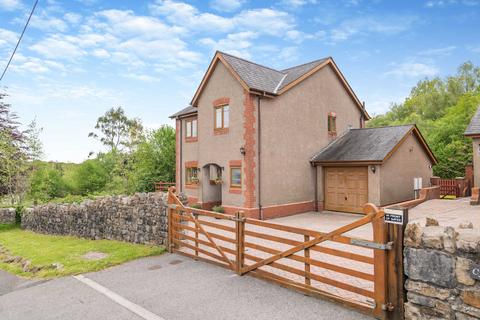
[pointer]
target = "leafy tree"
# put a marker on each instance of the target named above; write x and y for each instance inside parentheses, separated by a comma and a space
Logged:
(13, 153)
(89, 177)
(117, 131)
(442, 109)
(47, 183)
(155, 159)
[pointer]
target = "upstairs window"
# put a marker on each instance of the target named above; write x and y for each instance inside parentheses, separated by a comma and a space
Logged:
(191, 129)
(222, 119)
(332, 123)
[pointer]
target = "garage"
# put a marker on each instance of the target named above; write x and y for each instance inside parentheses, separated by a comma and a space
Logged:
(371, 165)
(346, 188)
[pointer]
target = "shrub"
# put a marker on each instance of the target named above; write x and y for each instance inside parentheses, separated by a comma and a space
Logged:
(19, 210)
(218, 209)
(196, 206)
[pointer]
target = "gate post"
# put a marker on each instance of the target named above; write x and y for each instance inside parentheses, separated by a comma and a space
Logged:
(240, 241)
(380, 267)
(396, 278)
(170, 202)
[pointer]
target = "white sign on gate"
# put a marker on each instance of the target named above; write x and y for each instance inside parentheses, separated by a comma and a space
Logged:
(394, 216)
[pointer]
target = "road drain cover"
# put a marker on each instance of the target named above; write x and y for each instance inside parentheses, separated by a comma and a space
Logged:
(155, 267)
(174, 262)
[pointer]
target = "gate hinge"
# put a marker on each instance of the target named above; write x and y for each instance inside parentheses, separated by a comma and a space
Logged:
(388, 307)
(372, 245)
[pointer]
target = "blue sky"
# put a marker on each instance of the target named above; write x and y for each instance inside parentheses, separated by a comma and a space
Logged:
(79, 58)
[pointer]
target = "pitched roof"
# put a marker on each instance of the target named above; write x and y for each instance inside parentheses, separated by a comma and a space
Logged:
(184, 112)
(367, 145)
(256, 77)
(296, 72)
(474, 126)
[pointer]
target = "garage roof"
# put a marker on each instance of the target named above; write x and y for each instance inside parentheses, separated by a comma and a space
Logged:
(373, 145)
(473, 128)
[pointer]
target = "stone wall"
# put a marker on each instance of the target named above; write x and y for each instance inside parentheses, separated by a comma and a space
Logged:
(141, 218)
(7, 215)
(437, 263)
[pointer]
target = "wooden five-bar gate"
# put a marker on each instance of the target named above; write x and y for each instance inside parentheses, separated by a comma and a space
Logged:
(366, 274)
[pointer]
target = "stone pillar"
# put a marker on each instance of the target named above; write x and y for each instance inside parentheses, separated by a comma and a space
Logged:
(437, 262)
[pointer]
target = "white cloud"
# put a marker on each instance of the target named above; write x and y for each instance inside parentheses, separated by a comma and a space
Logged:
(288, 54)
(263, 20)
(445, 51)
(235, 43)
(413, 70)
(7, 37)
(226, 5)
(445, 3)
(300, 36)
(10, 5)
(101, 53)
(388, 25)
(72, 18)
(141, 77)
(474, 49)
(55, 47)
(297, 3)
(45, 21)
(29, 65)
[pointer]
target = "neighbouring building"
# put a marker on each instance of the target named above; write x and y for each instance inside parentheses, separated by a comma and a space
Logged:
(278, 142)
(473, 132)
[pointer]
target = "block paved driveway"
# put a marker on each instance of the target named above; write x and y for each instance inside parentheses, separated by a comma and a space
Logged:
(166, 287)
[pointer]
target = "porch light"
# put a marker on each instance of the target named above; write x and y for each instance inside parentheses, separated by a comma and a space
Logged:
(242, 150)
(373, 169)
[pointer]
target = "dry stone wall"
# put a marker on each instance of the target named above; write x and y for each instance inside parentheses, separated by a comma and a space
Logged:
(7, 215)
(141, 218)
(438, 261)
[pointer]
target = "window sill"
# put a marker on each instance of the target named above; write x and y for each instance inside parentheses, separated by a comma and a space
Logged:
(332, 134)
(191, 139)
(235, 190)
(219, 131)
(191, 186)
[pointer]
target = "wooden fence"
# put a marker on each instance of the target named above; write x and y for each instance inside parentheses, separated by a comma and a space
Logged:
(459, 187)
(363, 274)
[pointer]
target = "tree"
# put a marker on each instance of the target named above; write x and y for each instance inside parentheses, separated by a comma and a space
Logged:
(154, 159)
(47, 183)
(118, 132)
(442, 109)
(89, 177)
(13, 153)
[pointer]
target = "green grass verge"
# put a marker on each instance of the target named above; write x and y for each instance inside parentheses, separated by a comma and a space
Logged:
(44, 250)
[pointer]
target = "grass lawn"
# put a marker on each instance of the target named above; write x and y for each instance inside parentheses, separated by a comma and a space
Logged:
(44, 250)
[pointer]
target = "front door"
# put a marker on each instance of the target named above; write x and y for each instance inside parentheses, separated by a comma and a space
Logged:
(346, 188)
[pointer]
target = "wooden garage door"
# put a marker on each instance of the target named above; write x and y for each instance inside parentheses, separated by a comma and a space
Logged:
(346, 188)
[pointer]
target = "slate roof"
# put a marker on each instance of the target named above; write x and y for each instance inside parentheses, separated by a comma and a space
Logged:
(366, 144)
(186, 111)
(267, 79)
(474, 126)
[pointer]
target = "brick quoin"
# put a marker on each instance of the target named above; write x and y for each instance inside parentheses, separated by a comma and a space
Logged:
(177, 156)
(250, 152)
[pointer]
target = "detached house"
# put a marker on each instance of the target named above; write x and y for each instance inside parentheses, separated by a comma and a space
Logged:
(278, 142)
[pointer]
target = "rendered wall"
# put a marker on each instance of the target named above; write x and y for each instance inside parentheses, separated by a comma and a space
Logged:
(294, 128)
(397, 173)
